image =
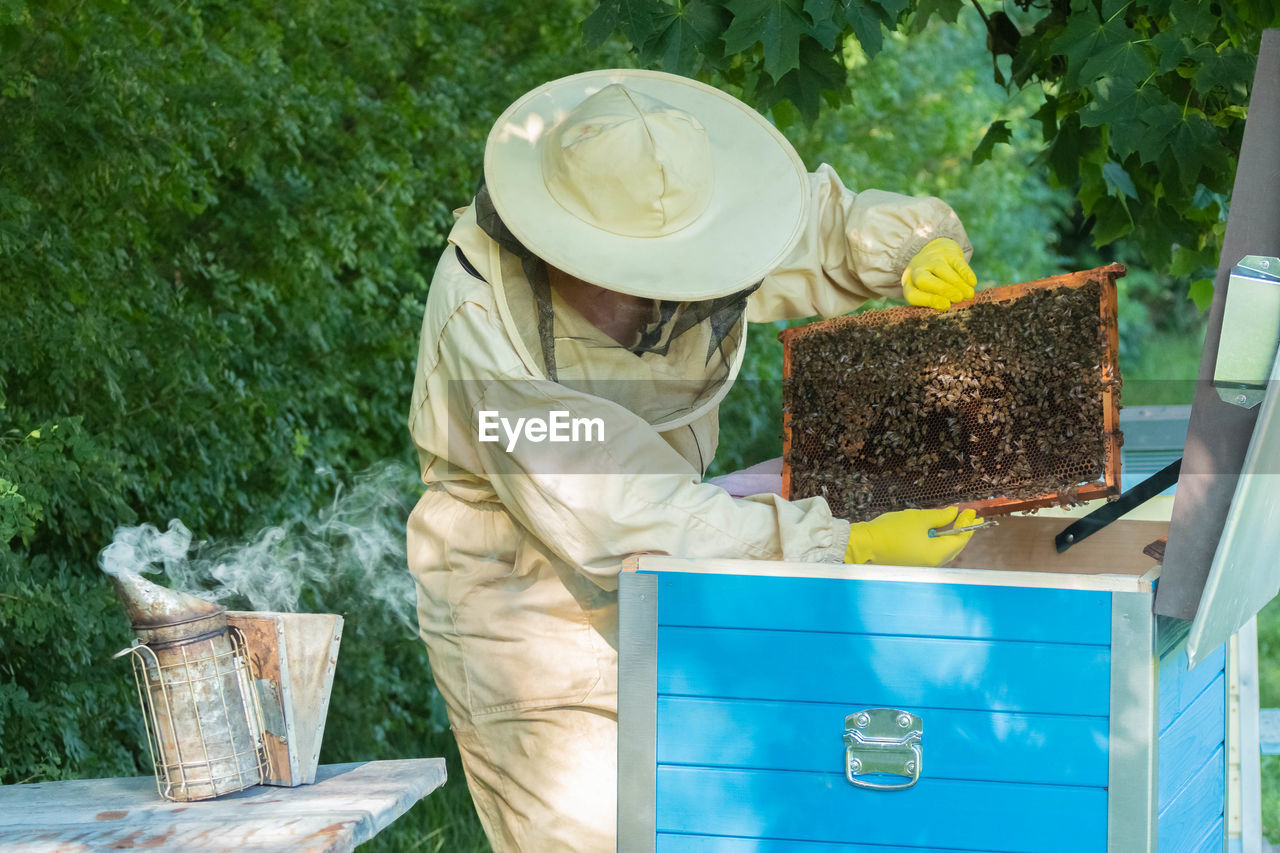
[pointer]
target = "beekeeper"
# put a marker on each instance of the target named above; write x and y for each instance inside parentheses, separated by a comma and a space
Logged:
(580, 332)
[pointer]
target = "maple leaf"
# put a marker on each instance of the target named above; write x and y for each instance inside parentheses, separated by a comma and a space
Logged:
(1119, 105)
(1159, 120)
(947, 10)
(1085, 37)
(1111, 221)
(681, 36)
(1195, 146)
(1194, 18)
(865, 22)
(776, 25)
(1201, 293)
(894, 8)
(634, 17)
(1130, 60)
(818, 74)
(997, 133)
(1230, 68)
(824, 29)
(1118, 181)
(1172, 48)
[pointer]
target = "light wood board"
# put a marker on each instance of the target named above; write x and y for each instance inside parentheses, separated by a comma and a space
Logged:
(348, 805)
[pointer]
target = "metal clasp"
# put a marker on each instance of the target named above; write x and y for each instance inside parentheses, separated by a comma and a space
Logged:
(883, 741)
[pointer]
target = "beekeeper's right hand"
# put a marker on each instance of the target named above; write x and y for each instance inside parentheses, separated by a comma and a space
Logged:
(902, 538)
(938, 275)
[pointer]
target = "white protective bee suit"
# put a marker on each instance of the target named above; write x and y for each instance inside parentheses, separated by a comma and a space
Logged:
(516, 548)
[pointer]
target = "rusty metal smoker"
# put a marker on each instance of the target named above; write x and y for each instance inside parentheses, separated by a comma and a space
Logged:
(203, 717)
(230, 698)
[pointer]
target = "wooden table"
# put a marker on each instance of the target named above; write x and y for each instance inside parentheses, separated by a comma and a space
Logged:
(347, 805)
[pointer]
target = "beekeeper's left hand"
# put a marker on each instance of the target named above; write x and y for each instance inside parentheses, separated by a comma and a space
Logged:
(902, 538)
(938, 275)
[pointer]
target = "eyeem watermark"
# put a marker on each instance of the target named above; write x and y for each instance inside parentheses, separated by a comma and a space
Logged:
(556, 427)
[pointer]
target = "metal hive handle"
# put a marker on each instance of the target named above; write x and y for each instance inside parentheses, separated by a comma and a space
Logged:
(883, 741)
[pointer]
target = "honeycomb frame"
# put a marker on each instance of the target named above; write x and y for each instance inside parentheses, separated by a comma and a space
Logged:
(997, 504)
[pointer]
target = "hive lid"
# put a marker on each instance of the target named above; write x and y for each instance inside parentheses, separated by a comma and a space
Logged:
(1245, 573)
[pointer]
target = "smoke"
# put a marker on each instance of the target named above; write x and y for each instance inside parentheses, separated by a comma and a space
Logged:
(349, 556)
(144, 548)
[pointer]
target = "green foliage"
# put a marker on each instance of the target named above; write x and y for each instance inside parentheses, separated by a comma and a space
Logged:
(1269, 697)
(217, 225)
(1141, 105)
(908, 118)
(1143, 114)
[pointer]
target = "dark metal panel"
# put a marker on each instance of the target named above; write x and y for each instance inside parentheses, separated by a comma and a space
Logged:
(1219, 432)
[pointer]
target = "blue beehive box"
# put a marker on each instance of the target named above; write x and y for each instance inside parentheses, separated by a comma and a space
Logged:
(1020, 701)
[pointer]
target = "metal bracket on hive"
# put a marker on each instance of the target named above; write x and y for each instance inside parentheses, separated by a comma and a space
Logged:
(1250, 331)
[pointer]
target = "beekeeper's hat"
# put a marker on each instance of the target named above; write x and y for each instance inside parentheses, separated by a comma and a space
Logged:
(646, 183)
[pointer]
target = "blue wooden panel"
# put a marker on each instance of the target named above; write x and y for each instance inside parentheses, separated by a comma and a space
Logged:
(1179, 687)
(934, 813)
(1196, 808)
(897, 672)
(1032, 748)
(1212, 840)
(884, 607)
(672, 843)
(1192, 739)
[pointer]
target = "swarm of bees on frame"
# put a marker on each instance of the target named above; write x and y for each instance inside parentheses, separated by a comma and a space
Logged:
(1001, 399)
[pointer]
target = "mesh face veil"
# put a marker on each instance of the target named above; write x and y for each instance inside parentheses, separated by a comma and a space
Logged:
(681, 364)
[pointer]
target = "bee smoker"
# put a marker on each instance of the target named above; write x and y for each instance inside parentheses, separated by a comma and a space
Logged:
(201, 708)
(230, 699)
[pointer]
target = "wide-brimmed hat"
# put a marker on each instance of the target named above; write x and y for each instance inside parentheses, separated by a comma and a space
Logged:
(646, 183)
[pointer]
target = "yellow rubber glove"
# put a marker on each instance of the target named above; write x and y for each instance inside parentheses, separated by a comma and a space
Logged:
(902, 538)
(938, 275)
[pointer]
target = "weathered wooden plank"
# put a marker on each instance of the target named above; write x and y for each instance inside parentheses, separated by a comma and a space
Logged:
(877, 671)
(1031, 748)
(937, 814)
(1191, 739)
(1027, 544)
(1196, 808)
(347, 805)
(882, 607)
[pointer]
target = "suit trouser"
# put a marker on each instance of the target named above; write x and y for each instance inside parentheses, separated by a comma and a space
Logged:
(506, 637)
(543, 779)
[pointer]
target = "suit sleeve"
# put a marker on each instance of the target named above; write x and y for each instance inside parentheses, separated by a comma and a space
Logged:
(854, 247)
(619, 488)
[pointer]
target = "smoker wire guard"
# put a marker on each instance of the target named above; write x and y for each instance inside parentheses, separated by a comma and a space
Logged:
(177, 774)
(1106, 276)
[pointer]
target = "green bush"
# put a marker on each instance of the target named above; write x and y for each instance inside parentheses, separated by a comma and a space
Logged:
(217, 225)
